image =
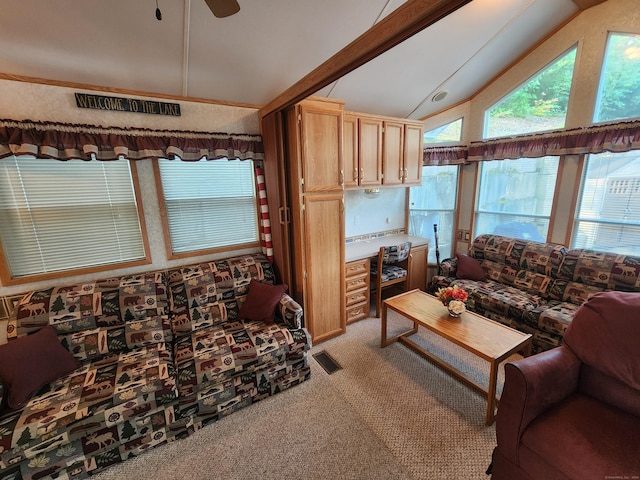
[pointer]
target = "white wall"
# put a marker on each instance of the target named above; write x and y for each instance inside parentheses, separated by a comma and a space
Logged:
(21, 101)
(371, 214)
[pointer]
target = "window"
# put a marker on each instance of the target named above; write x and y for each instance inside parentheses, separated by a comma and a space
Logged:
(434, 202)
(619, 92)
(451, 132)
(515, 197)
(66, 216)
(608, 212)
(209, 204)
(539, 104)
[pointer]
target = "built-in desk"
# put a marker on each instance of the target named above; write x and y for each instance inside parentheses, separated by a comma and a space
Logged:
(357, 280)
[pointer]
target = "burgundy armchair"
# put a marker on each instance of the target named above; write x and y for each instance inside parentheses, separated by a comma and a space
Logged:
(573, 412)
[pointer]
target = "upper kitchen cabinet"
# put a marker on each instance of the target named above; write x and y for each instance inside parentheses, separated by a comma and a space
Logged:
(321, 146)
(381, 151)
(402, 153)
(362, 150)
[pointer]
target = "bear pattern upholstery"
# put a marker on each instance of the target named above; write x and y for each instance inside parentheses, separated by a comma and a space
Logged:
(537, 287)
(149, 374)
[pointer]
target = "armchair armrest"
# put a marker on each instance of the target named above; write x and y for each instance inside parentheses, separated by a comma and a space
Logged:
(532, 386)
(289, 312)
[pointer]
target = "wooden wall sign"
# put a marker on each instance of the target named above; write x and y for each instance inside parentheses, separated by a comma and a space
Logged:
(120, 104)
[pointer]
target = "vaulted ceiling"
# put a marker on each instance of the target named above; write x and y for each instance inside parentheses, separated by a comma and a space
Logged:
(255, 55)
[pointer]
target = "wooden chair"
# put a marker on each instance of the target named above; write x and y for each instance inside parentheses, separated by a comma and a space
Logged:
(392, 268)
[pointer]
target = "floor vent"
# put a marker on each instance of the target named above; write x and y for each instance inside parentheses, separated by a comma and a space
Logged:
(326, 362)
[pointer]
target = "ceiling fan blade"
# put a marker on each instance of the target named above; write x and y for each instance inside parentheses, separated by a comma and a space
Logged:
(223, 8)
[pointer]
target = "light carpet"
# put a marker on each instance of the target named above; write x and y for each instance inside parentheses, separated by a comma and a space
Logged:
(387, 414)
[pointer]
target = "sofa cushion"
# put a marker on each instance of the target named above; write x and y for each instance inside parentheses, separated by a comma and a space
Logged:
(584, 438)
(260, 303)
(208, 293)
(104, 303)
(557, 317)
(532, 282)
(211, 355)
(104, 392)
(28, 363)
(602, 269)
(468, 267)
(89, 344)
(573, 292)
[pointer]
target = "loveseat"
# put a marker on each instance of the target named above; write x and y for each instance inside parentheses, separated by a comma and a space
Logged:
(573, 412)
(535, 287)
(124, 364)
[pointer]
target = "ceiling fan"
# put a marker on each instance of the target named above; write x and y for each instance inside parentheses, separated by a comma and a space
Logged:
(223, 8)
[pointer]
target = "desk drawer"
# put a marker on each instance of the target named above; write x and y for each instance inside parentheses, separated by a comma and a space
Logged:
(356, 268)
(358, 312)
(356, 283)
(358, 296)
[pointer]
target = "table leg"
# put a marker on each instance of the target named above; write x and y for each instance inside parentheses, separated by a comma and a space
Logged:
(491, 394)
(383, 333)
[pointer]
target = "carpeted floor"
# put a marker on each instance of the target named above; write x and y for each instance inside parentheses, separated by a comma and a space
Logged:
(387, 414)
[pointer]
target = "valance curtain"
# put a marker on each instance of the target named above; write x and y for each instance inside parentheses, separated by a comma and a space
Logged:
(617, 137)
(86, 142)
(89, 142)
(434, 156)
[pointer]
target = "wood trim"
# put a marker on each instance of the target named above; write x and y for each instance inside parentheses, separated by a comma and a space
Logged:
(123, 91)
(8, 280)
(162, 210)
(404, 22)
(574, 200)
(554, 202)
(584, 4)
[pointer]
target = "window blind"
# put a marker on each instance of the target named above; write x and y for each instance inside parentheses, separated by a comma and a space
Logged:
(67, 215)
(209, 204)
(515, 197)
(608, 212)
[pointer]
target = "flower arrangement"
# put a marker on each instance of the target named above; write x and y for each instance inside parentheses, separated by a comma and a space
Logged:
(454, 298)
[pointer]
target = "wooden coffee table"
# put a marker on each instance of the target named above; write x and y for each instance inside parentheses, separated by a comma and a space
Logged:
(485, 338)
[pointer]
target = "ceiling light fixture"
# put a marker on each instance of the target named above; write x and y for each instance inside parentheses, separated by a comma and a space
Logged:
(439, 96)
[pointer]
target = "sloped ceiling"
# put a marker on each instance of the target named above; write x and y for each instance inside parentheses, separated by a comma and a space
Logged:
(251, 57)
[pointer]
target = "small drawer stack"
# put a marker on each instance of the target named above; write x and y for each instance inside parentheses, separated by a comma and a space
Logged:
(357, 290)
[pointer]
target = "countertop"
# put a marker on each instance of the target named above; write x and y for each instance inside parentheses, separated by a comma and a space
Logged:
(369, 248)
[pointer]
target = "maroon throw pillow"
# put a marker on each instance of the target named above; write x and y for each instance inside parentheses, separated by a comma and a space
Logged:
(261, 301)
(468, 267)
(30, 362)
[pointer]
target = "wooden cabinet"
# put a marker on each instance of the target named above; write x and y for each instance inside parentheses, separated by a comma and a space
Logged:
(314, 166)
(419, 257)
(320, 128)
(362, 150)
(381, 151)
(402, 159)
(370, 151)
(350, 150)
(357, 282)
(324, 257)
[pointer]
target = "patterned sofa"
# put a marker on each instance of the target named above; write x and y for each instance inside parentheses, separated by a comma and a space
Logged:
(158, 356)
(536, 287)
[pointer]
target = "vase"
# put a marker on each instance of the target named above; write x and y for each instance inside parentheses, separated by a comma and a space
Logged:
(453, 314)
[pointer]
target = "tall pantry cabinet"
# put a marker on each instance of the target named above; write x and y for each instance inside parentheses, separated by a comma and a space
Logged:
(313, 148)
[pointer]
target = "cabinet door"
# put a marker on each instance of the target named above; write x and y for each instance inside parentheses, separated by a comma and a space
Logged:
(413, 154)
(324, 300)
(321, 145)
(350, 150)
(419, 256)
(370, 151)
(393, 151)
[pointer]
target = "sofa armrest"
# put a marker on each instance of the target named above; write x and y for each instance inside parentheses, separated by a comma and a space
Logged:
(289, 312)
(448, 267)
(532, 386)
